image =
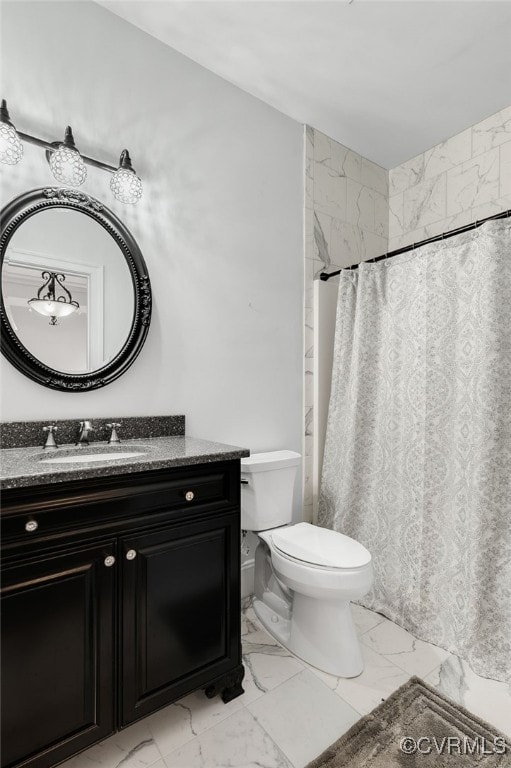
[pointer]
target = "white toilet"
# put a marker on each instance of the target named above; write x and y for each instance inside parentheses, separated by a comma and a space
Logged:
(305, 576)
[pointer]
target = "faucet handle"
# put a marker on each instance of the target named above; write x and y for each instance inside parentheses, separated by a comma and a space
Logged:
(50, 440)
(114, 437)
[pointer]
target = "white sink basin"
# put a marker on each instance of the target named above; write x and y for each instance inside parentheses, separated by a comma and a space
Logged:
(83, 458)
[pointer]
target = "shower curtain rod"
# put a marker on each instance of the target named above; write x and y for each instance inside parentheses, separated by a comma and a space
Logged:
(326, 275)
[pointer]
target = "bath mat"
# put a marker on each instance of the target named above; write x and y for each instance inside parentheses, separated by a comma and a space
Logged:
(417, 727)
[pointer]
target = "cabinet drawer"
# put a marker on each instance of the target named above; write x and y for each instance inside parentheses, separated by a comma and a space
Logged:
(199, 489)
(104, 504)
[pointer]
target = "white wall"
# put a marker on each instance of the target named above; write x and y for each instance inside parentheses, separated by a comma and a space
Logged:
(220, 222)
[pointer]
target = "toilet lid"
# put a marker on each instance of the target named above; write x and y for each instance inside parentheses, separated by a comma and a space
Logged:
(320, 546)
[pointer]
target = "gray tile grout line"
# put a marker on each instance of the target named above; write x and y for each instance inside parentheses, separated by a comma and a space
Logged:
(434, 670)
(156, 761)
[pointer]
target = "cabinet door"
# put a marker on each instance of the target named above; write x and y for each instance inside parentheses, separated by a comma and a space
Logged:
(57, 655)
(181, 611)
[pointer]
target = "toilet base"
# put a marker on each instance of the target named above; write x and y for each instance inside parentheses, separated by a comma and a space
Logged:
(321, 632)
(277, 626)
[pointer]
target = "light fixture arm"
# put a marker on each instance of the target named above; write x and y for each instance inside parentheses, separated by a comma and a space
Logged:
(50, 146)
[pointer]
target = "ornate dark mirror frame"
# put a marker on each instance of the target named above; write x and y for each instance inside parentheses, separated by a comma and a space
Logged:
(12, 216)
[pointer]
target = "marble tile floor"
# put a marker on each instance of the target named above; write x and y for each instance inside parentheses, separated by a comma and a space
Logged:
(290, 711)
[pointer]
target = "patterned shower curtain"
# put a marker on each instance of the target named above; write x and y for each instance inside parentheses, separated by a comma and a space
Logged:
(417, 460)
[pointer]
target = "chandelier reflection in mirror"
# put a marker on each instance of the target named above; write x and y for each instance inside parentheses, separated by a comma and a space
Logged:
(67, 164)
(57, 301)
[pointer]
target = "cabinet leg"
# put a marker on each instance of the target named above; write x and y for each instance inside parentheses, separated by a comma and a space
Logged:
(228, 694)
(229, 685)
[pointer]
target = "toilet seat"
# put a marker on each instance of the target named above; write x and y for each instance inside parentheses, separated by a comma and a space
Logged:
(313, 566)
(312, 580)
(319, 547)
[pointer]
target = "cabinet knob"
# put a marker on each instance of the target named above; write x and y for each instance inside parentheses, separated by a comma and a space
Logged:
(109, 561)
(189, 495)
(131, 554)
(31, 526)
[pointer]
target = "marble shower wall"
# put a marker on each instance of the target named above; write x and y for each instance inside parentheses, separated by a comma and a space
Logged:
(463, 179)
(346, 221)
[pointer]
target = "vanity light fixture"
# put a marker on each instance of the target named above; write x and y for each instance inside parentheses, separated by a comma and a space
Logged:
(67, 164)
(11, 148)
(49, 304)
(125, 184)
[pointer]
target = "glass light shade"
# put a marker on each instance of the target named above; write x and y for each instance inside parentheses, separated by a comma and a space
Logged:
(50, 308)
(11, 148)
(67, 166)
(126, 186)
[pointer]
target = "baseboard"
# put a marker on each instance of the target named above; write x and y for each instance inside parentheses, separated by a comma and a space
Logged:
(247, 578)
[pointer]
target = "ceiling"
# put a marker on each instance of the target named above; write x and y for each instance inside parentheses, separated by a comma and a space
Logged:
(387, 79)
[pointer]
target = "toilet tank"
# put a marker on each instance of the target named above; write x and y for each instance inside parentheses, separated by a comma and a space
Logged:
(267, 489)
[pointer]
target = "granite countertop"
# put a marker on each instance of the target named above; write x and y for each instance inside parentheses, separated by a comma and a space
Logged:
(22, 467)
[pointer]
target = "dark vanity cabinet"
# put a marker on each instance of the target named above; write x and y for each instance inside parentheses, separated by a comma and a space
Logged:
(119, 595)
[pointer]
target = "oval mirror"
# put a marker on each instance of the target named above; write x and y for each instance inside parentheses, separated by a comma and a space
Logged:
(76, 297)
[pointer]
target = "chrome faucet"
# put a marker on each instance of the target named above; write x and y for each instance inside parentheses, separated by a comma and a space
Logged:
(83, 432)
(50, 440)
(114, 437)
